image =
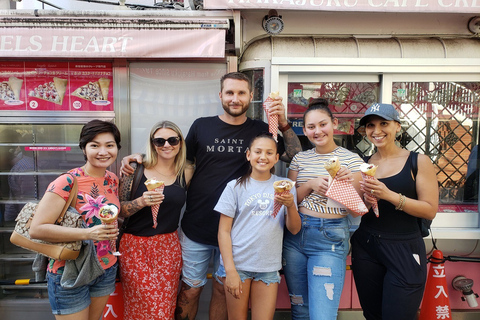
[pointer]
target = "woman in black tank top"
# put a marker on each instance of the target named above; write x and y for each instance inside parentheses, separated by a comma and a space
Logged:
(388, 251)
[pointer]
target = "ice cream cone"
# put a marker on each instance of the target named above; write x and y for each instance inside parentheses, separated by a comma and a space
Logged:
(281, 187)
(155, 185)
(368, 173)
(272, 119)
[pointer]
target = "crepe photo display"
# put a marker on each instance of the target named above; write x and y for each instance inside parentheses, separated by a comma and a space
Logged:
(94, 91)
(10, 90)
(53, 91)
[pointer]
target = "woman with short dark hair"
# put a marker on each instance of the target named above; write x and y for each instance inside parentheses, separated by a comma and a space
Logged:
(97, 187)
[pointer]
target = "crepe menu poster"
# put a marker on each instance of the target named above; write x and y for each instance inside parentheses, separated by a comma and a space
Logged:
(56, 86)
(91, 86)
(12, 86)
(46, 85)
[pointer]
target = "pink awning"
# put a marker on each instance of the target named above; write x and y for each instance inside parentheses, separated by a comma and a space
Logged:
(112, 43)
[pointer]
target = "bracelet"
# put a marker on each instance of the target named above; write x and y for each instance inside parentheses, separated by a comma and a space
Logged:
(285, 128)
(401, 203)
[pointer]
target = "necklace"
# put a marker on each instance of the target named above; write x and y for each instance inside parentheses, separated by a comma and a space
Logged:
(165, 175)
(87, 173)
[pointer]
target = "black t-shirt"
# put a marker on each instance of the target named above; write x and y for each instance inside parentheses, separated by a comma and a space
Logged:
(141, 223)
(391, 220)
(218, 150)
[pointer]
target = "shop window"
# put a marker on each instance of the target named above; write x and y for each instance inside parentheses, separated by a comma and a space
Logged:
(31, 156)
(348, 101)
(440, 119)
(256, 106)
(178, 92)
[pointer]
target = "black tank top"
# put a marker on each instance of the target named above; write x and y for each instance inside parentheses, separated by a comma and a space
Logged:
(391, 220)
(141, 223)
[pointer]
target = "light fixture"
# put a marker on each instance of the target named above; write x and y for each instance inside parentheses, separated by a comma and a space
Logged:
(474, 25)
(272, 22)
(465, 285)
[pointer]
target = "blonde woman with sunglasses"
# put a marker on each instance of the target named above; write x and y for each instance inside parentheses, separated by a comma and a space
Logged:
(151, 259)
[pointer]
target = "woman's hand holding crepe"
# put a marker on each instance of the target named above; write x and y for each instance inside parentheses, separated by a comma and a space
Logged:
(319, 185)
(380, 190)
(151, 198)
(344, 174)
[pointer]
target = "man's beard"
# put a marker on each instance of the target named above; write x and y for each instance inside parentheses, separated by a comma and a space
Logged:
(235, 113)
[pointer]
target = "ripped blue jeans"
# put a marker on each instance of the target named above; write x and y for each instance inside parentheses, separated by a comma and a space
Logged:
(314, 263)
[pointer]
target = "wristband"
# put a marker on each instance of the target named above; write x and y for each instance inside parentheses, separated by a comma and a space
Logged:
(285, 128)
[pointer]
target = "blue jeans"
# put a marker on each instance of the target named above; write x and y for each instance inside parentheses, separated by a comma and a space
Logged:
(314, 263)
(265, 277)
(196, 259)
(68, 301)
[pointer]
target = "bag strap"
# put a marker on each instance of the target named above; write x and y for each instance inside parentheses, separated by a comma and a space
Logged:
(72, 198)
(137, 177)
(414, 164)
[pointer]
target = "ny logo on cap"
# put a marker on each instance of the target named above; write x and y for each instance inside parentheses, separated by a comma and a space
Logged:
(375, 108)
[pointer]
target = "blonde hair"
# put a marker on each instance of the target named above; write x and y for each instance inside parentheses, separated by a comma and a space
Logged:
(150, 159)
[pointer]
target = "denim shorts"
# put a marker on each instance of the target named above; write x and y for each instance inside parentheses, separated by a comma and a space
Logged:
(196, 259)
(69, 301)
(265, 277)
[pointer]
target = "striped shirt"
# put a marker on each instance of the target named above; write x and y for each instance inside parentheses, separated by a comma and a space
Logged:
(310, 165)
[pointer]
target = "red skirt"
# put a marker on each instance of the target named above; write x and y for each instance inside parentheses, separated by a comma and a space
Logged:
(150, 269)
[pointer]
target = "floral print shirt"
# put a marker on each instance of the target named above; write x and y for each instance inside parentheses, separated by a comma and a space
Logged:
(93, 194)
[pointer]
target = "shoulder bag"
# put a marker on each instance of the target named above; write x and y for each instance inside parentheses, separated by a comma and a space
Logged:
(130, 185)
(69, 217)
(424, 224)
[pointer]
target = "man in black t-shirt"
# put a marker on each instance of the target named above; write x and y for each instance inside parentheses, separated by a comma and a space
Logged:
(216, 150)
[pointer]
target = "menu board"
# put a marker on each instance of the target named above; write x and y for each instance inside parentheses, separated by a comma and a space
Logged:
(56, 86)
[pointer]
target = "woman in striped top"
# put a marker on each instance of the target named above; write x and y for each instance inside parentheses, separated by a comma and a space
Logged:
(315, 258)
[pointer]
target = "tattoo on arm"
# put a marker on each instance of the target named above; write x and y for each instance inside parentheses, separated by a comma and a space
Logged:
(292, 145)
(129, 208)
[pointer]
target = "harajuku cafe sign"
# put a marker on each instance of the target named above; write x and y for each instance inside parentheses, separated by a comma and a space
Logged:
(438, 6)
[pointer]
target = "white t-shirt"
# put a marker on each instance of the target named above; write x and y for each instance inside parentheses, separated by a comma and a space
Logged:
(256, 234)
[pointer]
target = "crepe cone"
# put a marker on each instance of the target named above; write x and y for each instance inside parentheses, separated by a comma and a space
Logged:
(109, 214)
(281, 187)
(272, 119)
(158, 186)
(332, 166)
(368, 173)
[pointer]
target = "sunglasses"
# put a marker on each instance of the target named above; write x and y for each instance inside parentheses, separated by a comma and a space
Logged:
(160, 142)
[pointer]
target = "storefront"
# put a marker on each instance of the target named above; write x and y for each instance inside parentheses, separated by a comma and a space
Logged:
(427, 65)
(423, 56)
(58, 72)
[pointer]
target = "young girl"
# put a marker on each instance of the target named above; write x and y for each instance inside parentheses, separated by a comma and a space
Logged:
(250, 235)
(315, 258)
